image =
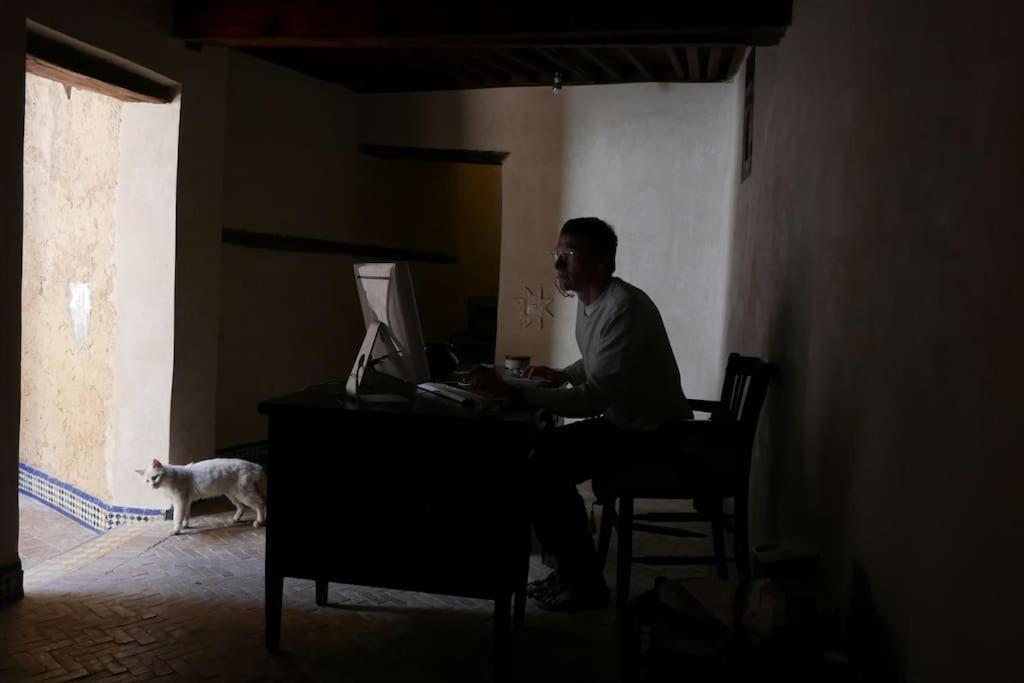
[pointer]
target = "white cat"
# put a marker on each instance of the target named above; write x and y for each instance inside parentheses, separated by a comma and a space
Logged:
(243, 482)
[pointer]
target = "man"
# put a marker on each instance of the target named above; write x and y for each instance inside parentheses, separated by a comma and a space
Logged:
(627, 382)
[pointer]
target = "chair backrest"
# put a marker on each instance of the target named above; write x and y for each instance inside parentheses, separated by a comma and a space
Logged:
(743, 393)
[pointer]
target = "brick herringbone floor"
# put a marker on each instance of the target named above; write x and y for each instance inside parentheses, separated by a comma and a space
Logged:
(136, 604)
(45, 533)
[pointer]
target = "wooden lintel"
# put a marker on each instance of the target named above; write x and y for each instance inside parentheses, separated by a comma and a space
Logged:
(50, 58)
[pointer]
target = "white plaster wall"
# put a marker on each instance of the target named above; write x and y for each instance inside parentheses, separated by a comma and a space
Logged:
(659, 162)
(144, 298)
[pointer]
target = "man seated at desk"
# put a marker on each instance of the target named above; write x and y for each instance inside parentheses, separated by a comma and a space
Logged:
(626, 383)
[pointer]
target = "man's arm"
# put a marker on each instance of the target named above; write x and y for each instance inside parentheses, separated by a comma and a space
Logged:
(576, 372)
(590, 395)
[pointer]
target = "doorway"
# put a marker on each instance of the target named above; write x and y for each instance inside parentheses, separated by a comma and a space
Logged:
(442, 201)
(100, 171)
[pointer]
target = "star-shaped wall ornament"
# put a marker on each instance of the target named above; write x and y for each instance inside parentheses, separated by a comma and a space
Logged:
(533, 308)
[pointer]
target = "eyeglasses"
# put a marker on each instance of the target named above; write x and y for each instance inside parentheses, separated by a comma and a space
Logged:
(565, 254)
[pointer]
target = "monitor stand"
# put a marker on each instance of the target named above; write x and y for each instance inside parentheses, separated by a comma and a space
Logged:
(368, 384)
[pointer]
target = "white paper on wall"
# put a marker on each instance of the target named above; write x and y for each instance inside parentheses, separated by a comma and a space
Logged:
(80, 306)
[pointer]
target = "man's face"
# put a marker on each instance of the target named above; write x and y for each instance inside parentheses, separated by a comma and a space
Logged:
(574, 266)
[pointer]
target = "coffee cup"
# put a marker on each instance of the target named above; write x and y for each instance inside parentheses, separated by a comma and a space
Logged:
(515, 366)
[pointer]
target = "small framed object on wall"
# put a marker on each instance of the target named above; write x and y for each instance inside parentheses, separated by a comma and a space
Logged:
(748, 118)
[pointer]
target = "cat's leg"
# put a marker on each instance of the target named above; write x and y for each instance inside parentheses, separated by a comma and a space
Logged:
(179, 507)
(254, 499)
(186, 517)
(239, 508)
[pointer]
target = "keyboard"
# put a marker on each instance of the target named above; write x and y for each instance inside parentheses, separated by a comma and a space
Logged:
(465, 397)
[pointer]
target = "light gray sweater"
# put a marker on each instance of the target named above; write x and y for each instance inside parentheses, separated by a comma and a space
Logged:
(627, 371)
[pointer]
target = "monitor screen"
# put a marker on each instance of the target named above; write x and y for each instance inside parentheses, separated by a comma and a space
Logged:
(386, 296)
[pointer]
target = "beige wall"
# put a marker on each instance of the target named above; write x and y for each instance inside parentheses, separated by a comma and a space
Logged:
(452, 208)
(288, 320)
(657, 161)
(71, 175)
(289, 152)
(877, 259)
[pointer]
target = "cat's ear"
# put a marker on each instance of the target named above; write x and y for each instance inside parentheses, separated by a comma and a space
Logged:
(157, 465)
(140, 473)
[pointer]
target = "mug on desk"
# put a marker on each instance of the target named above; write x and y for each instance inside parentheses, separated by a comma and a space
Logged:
(515, 366)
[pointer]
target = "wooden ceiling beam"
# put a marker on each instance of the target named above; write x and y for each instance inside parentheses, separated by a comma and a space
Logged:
(507, 73)
(603, 64)
(517, 56)
(398, 23)
(444, 66)
(673, 58)
(565, 65)
(462, 65)
(637, 64)
(529, 72)
(693, 62)
(739, 55)
(714, 57)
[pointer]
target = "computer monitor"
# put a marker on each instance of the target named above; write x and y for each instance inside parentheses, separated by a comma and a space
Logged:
(393, 344)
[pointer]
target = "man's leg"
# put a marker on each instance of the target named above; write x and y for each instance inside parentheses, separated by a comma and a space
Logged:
(564, 458)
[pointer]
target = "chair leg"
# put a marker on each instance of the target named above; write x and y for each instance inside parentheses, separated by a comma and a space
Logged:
(625, 560)
(604, 536)
(741, 538)
(718, 536)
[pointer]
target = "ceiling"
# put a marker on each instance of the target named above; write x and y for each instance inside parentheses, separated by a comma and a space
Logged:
(411, 46)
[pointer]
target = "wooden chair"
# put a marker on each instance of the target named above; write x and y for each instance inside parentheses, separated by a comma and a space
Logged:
(712, 464)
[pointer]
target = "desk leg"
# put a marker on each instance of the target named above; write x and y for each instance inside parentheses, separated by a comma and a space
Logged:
(502, 615)
(519, 613)
(321, 592)
(522, 578)
(272, 609)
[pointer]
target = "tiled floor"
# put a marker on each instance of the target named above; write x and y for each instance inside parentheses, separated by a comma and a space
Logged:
(45, 533)
(135, 604)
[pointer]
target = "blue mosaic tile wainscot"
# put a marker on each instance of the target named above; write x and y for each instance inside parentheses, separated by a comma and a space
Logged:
(88, 511)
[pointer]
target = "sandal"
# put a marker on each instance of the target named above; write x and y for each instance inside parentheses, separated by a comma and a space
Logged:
(573, 597)
(549, 584)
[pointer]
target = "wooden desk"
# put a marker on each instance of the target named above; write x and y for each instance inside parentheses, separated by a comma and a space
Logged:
(424, 496)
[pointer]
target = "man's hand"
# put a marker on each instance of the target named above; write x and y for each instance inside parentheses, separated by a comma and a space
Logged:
(486, 379)
(556, 377)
